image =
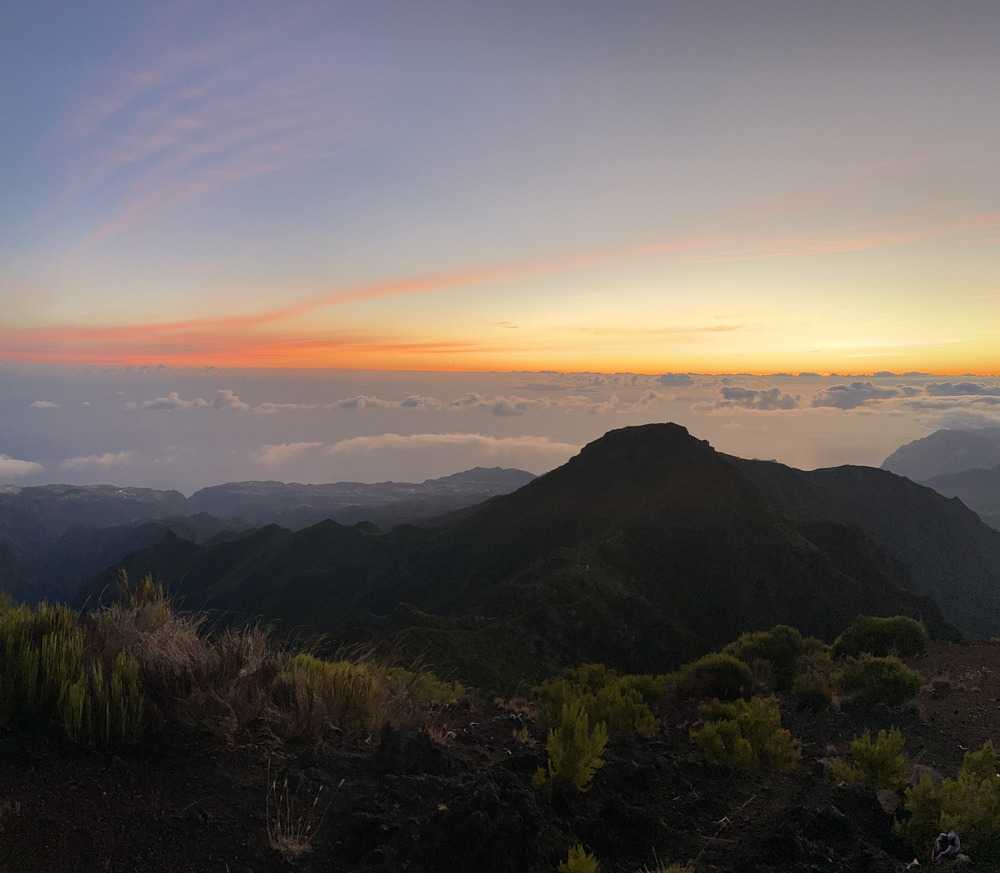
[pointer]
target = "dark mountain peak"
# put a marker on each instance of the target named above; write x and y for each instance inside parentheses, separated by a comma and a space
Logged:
(648, 446)
(652, 471)
(480, 476)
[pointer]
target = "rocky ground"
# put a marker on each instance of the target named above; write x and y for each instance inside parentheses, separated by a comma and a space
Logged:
(459, 799)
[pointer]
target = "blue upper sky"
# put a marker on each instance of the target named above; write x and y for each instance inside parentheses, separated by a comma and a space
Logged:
(645, 185)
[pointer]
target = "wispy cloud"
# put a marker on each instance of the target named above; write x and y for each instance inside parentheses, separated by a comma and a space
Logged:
(101, 461)
(540, 449)
(240, 102)
(224, 399)
(274, 454)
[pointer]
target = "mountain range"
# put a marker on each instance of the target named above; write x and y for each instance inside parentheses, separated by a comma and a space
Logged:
(956, 463)
(645, 549)
(54, 538)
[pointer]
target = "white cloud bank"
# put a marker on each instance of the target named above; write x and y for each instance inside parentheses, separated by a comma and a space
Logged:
(435, 453)
(13, 468)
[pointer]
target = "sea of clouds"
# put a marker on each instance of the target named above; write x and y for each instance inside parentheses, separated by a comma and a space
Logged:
(163, 427)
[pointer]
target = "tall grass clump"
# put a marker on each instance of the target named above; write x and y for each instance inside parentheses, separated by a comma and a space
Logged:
(140, 664)
(52, 673)
(292, 821)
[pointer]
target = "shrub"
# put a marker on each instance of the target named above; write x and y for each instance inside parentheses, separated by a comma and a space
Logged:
(574, 751)
(923, 805)
(579, 860)
(340, 693)
(871, 680)
(780, 648)
(869, 634)
(880, 761)
(969, 805)
(621, 703)
(746, 734)
(714, 675)
(812, 691)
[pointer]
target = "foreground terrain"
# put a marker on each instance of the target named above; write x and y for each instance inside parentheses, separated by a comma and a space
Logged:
(455, 793)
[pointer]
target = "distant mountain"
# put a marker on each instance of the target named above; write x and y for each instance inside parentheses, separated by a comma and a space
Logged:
(53, 509)
(945, 452)
(645, 549)
(55, 537)
(977, 489)
(948, 553)
(58, 567)
(294, 505)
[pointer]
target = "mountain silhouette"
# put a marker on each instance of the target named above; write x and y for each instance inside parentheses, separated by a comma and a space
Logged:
(645, 549)
(945, 452)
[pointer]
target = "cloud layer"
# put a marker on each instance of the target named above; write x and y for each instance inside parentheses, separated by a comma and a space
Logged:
(13, 468)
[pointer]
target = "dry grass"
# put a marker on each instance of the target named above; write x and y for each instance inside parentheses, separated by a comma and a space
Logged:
(292, 821)
(228, 683)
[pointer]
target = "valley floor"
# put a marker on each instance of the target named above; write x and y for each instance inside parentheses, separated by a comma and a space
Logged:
(462, 801)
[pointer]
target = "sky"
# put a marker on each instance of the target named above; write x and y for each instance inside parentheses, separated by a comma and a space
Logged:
(324, 201)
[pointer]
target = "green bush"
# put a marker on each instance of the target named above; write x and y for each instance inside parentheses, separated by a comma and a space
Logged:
(574, 751)
(579, 860)
(922, 805)
(871, 680)
(812, 691)
(780, 648)
(969, 805)
(880, 761)
(621, 703)
(869, 634)
(716, 675)
(746, 734)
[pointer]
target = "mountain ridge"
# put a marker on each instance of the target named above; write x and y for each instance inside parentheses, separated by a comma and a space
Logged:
(643, 550)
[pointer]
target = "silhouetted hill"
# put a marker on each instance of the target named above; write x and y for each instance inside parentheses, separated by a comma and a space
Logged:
(645, 549)
(945, 452)
(977, 489)
(946, 550)
(55, 537)
(295, 505)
